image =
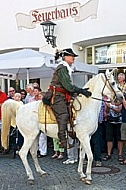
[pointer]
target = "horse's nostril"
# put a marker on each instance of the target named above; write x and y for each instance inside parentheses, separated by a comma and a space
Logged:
(113, 83)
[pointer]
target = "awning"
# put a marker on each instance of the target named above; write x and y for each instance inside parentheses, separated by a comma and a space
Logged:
(111, 66)
(85, 68)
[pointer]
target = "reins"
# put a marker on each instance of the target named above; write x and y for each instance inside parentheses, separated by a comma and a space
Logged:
(107, 80)
(79, 104)
(101, 99)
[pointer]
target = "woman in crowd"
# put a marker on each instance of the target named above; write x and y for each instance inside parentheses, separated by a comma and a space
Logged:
(20, 139)
(42, 147)
(58, 151)
(113, 129)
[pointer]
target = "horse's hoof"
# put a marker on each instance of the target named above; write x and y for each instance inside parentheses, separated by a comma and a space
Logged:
(44, 175)
(82, 179)
(30, 181)
(88, 182)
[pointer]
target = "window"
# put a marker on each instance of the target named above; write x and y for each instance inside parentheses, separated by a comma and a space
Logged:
(112, 53)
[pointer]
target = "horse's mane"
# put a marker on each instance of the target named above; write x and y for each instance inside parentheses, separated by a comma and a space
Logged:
(91, 83)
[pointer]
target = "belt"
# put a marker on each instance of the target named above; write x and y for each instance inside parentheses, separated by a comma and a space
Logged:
(61, 91)
(58, 89)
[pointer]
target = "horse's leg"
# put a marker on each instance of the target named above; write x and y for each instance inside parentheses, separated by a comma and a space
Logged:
(88, 151)
(23, 155)
(33, 151)
(81, 160)
(87, 148)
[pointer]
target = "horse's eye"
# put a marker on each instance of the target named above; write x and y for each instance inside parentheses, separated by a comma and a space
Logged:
(113, 83)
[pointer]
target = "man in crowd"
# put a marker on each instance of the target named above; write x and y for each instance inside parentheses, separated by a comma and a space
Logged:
(11, 92)
(29, 90)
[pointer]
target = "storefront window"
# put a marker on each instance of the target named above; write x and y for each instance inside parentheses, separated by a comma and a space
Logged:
(112, 53)
(101, 55)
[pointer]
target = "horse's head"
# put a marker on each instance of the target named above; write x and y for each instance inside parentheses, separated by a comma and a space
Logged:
(110, 86)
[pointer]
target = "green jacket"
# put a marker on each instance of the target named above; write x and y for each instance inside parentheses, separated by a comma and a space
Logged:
(61, 79)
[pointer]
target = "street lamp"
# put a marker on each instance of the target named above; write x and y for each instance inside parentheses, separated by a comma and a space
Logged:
(48, 30)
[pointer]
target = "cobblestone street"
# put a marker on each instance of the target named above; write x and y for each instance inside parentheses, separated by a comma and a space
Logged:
(111, 176)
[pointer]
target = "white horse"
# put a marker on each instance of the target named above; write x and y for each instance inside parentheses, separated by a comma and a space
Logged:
(87, 122)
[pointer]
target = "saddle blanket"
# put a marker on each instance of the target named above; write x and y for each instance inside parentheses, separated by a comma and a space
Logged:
(45, 114)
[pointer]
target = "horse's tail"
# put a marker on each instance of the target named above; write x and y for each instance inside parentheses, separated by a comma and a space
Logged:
(9, 109)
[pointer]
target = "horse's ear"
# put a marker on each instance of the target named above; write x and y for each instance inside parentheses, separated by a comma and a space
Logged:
(107, 73)
(112, 71)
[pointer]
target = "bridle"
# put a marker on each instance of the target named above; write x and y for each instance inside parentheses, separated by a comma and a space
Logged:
(105, 84)
(107, 80)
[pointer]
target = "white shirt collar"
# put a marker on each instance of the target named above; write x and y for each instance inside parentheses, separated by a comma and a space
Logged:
(70, 70)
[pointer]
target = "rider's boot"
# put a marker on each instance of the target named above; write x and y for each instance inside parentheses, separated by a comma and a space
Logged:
(62, 137)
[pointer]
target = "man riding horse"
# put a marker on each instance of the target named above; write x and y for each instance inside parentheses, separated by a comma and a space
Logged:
(62, 88)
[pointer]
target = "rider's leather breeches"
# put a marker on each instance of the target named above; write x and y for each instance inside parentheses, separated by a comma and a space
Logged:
(61, 112)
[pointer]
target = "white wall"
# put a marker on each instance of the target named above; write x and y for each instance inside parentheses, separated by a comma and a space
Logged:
(109, 21)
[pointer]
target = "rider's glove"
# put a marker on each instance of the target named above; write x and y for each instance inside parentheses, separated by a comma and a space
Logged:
(84, 91)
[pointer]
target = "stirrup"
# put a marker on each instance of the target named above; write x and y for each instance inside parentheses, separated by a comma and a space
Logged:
(70, 145)
(72, 134)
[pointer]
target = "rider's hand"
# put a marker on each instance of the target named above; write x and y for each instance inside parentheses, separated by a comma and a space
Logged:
(85, 92)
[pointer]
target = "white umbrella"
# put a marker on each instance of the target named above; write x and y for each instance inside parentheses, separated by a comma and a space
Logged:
(25, 64)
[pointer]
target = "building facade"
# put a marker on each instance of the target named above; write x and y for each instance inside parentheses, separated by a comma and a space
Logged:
(93, 28)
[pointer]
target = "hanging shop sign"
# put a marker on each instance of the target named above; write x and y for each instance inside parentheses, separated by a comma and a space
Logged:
(5, 75)
(74, 10)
